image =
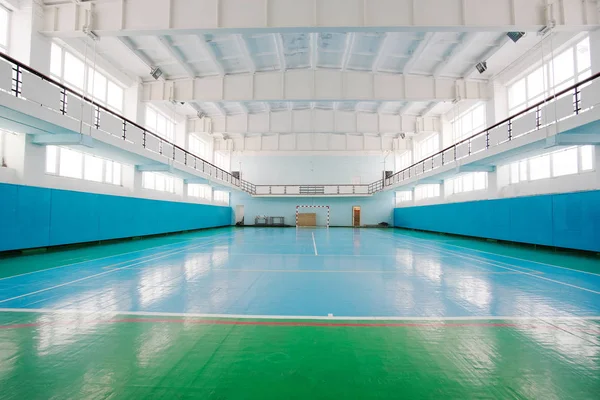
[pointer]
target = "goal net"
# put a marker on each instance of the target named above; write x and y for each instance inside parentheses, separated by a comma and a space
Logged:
(312, 216)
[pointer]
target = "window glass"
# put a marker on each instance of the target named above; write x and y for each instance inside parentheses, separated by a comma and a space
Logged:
(4, 25)
(97, 85)
(583, 55)
(403, 196)
(74, 71)
(539, 167)
(535, 82)
(563, 67)
(587, 158)
(517, 94)
(51, 158)
(196, 146)
(480, 180)
(114, 96)
(514, 172)
(116, 175)
(56, 60)
(108, 172)
(404, 160)
(564, 162)
(523, 171)
(70, 163)
(92, 168)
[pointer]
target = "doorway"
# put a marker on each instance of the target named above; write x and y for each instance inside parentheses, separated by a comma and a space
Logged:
(239, 215)
(356, 216)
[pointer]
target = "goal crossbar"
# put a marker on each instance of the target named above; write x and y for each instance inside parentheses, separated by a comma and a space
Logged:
(306, 206)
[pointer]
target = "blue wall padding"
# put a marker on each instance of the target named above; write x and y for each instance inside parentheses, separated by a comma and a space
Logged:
(570, 220)
(38, 217)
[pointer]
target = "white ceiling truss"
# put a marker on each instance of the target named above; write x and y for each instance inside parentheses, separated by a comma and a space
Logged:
(225, 58)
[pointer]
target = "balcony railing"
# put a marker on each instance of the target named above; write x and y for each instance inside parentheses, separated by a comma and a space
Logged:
(318, 190)
(565, 104)
(28, 84)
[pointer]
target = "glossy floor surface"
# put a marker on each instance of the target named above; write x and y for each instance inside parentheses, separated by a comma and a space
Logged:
(285, 313)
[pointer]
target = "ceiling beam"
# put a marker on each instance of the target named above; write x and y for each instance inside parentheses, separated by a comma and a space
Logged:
(381, 53)
(350, 38)
(143, 57)
(151, 17)
(280, 51)
(207, 50)
(428, 109)
(457, 51)
(418, 52)
(305, 121)
(243, 46)
(314, 50)
(177, 55)
(304, 86)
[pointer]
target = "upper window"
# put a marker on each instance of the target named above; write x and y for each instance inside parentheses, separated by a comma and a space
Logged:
(427, 191)
(200, 191)
(465, 183)
(161, 182)
(404, 160)
(71, 163)
(4, 29)
(404, 196)
(221, 197)
(160, 124)
(70, 70)
(567, 161)
(221, 161)
(427, 147)
(565, 69)
(197, 146)
(469, 123)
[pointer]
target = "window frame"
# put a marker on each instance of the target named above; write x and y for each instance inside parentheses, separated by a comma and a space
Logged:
(57, 166)
(550, 86)
(6, 47)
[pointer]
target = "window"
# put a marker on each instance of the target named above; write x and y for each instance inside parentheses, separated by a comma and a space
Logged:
(4, 146)
(221, 197)
(4, 28)
(69, 69)
(427, 147)
(570, 66)
(161, 182)
(539, 167)
(403, 197)
(200, 191)
(197, 146)
(465, 183)
(71, 163)
(160, 124)
(221, 161)
(404, 160)
(566, 161)
(427, 191)
(469, 123)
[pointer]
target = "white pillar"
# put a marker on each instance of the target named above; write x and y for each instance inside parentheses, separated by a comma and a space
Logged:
(26, 44)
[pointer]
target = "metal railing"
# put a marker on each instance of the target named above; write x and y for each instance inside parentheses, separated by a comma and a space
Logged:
(69, 102)
(561, 105)
(318, 190)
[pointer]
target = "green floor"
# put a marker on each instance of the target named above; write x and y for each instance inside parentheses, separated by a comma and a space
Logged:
(73, 356)
(63, 357)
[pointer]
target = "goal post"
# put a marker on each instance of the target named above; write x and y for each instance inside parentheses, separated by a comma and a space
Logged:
(305, 219)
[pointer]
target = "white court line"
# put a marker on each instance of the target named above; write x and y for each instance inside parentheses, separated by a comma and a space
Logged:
(299, 317)
(314, 244)
(352, 272)
(103, 258)
(170, 253)
(510, 269)
(502, 255)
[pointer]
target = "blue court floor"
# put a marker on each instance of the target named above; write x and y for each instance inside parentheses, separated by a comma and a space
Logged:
(318, 273)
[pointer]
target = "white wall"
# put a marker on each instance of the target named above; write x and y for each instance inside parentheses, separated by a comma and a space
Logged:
(311, 169)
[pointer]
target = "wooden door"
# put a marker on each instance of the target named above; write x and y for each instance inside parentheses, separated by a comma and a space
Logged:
(356, 216)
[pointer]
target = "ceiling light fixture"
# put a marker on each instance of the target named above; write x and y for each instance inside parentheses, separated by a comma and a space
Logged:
(515, 36)
(481, 67)
(156, 72)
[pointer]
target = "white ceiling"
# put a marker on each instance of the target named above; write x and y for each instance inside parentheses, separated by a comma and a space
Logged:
(440, 54)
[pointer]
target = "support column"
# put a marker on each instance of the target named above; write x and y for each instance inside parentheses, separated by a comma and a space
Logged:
(26, 44)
